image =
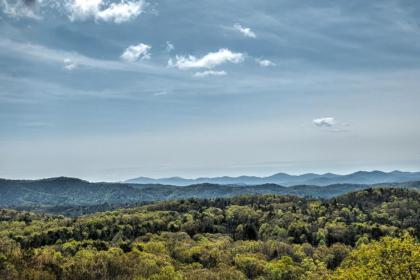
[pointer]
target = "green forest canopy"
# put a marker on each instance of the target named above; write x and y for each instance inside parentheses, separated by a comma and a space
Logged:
(370, 234)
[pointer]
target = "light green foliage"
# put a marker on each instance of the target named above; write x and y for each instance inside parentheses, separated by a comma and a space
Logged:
(372, 234)
(389, 258)
(284, 269)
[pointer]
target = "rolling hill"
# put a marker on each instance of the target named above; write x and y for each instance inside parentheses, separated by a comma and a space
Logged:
(360, 177)
(62, 192)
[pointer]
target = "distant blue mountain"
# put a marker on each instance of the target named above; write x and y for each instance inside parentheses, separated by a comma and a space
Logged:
(360, 177)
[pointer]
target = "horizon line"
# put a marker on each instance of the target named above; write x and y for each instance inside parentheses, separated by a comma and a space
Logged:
(209, 177)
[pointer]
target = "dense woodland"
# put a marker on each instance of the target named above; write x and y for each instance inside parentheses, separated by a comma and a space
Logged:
(370, 234)
(72, 196)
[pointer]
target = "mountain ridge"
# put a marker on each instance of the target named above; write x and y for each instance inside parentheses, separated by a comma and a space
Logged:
(284, 179)
(72, 195)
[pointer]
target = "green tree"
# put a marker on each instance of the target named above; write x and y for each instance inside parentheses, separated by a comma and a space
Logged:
(389, 258)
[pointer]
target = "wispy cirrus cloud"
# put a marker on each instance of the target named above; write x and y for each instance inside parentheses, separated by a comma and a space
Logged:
(136, 52)
(161, 93)
(101, 11)
(37, 124)
(264, 62)
(330, 124)
(246, 31)
(209, 61)
(210, 73)
(169, 46)
(34, 52)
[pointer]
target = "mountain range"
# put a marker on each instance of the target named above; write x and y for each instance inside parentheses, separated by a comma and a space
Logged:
(72, 196)
(360, 177)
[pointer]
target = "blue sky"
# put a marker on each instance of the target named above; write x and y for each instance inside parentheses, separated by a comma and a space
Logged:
(108, 90)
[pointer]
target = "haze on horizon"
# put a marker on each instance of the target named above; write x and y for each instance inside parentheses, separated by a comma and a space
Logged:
(111, 90)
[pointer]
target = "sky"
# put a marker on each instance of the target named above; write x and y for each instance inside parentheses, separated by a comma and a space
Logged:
(110, 90)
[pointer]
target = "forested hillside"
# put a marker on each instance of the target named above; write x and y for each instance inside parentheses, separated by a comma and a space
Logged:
(73, 196)
(370, 234)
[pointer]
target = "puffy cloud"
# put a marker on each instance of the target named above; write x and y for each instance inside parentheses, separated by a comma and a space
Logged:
(20, 8)
(69, 64)
(209, 73)
(97, 9)
(100, 10)
(136, 52)
(331, 125)
(324, 122)
(121, 12)
(247, 32)
(209, 61)
(83, 9)
(265, 62)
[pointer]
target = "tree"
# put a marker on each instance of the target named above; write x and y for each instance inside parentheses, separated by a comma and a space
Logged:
(252, 265)
(389, 258)
(284, 269)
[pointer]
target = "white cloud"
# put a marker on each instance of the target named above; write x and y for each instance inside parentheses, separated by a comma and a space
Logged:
(97, 9)
(136, 52)
(247, 32)
(209, 61)
(160, 93)
(169, 46)
(324, 122)
(69, 64)
(20, 8)
(46, 55)
(209, 73)
(83, 9)
(265, 62)
(121, 12)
